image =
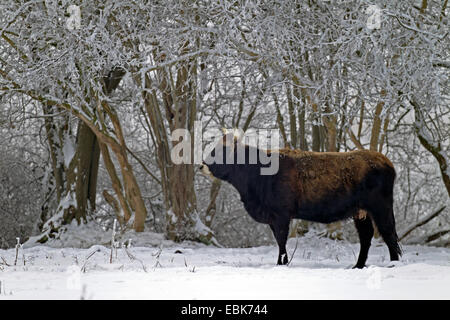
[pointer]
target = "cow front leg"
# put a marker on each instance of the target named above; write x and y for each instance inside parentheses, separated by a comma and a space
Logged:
(280, 232)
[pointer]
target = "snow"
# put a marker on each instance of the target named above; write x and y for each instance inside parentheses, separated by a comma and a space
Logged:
(320, 269)
(200, 227)
(173, 217)
(68, 150)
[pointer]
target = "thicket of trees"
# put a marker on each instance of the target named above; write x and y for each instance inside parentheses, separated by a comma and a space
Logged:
(87, 107)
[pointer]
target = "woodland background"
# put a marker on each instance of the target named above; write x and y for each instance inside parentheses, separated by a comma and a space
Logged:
(87, 109)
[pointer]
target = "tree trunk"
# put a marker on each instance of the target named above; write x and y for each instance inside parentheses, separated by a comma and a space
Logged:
(74, 171)
(124, 214)
(84, 177)
(376, 124)
(334, 230)
(434, 147)
(292, 116)
(177, 180)
(131, 191)
(55, 133)
(316, 136)
(330, 124)
(212, 208)
(302, 125)
(74, 163)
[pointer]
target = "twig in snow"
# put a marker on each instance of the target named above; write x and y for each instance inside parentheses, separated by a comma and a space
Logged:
(2, 288)
(190, 269)
(157, 255)
(436, 235)
(354, 254)
(18, 247)
(132, 258)
(5, 263)
(113, 241)
(295, 249)
(412, 28)
(83, 268)
(17, 250)
(421, 223)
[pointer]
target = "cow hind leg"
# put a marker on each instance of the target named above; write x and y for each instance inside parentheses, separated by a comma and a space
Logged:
(386, 228)
(365, 231)
(280, 232)
(383, 217)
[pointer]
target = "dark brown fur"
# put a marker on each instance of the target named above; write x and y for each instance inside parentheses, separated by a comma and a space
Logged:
(321, 187)
(314, 174)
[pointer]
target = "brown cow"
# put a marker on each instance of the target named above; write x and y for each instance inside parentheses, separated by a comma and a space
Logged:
(315, 186)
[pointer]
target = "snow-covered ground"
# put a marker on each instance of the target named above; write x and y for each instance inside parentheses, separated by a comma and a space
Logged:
(320, 269)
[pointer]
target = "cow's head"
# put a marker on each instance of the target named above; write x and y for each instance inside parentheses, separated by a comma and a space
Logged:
(230, 159)
(219, 163)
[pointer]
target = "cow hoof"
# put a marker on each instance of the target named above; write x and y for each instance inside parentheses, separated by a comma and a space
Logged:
(282, 260)
(358, 266)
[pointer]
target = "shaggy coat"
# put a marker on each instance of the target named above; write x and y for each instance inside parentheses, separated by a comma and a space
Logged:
(315, 186)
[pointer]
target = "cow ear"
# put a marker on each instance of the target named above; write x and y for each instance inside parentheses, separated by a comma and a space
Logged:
(228, 139)
(238, 134)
